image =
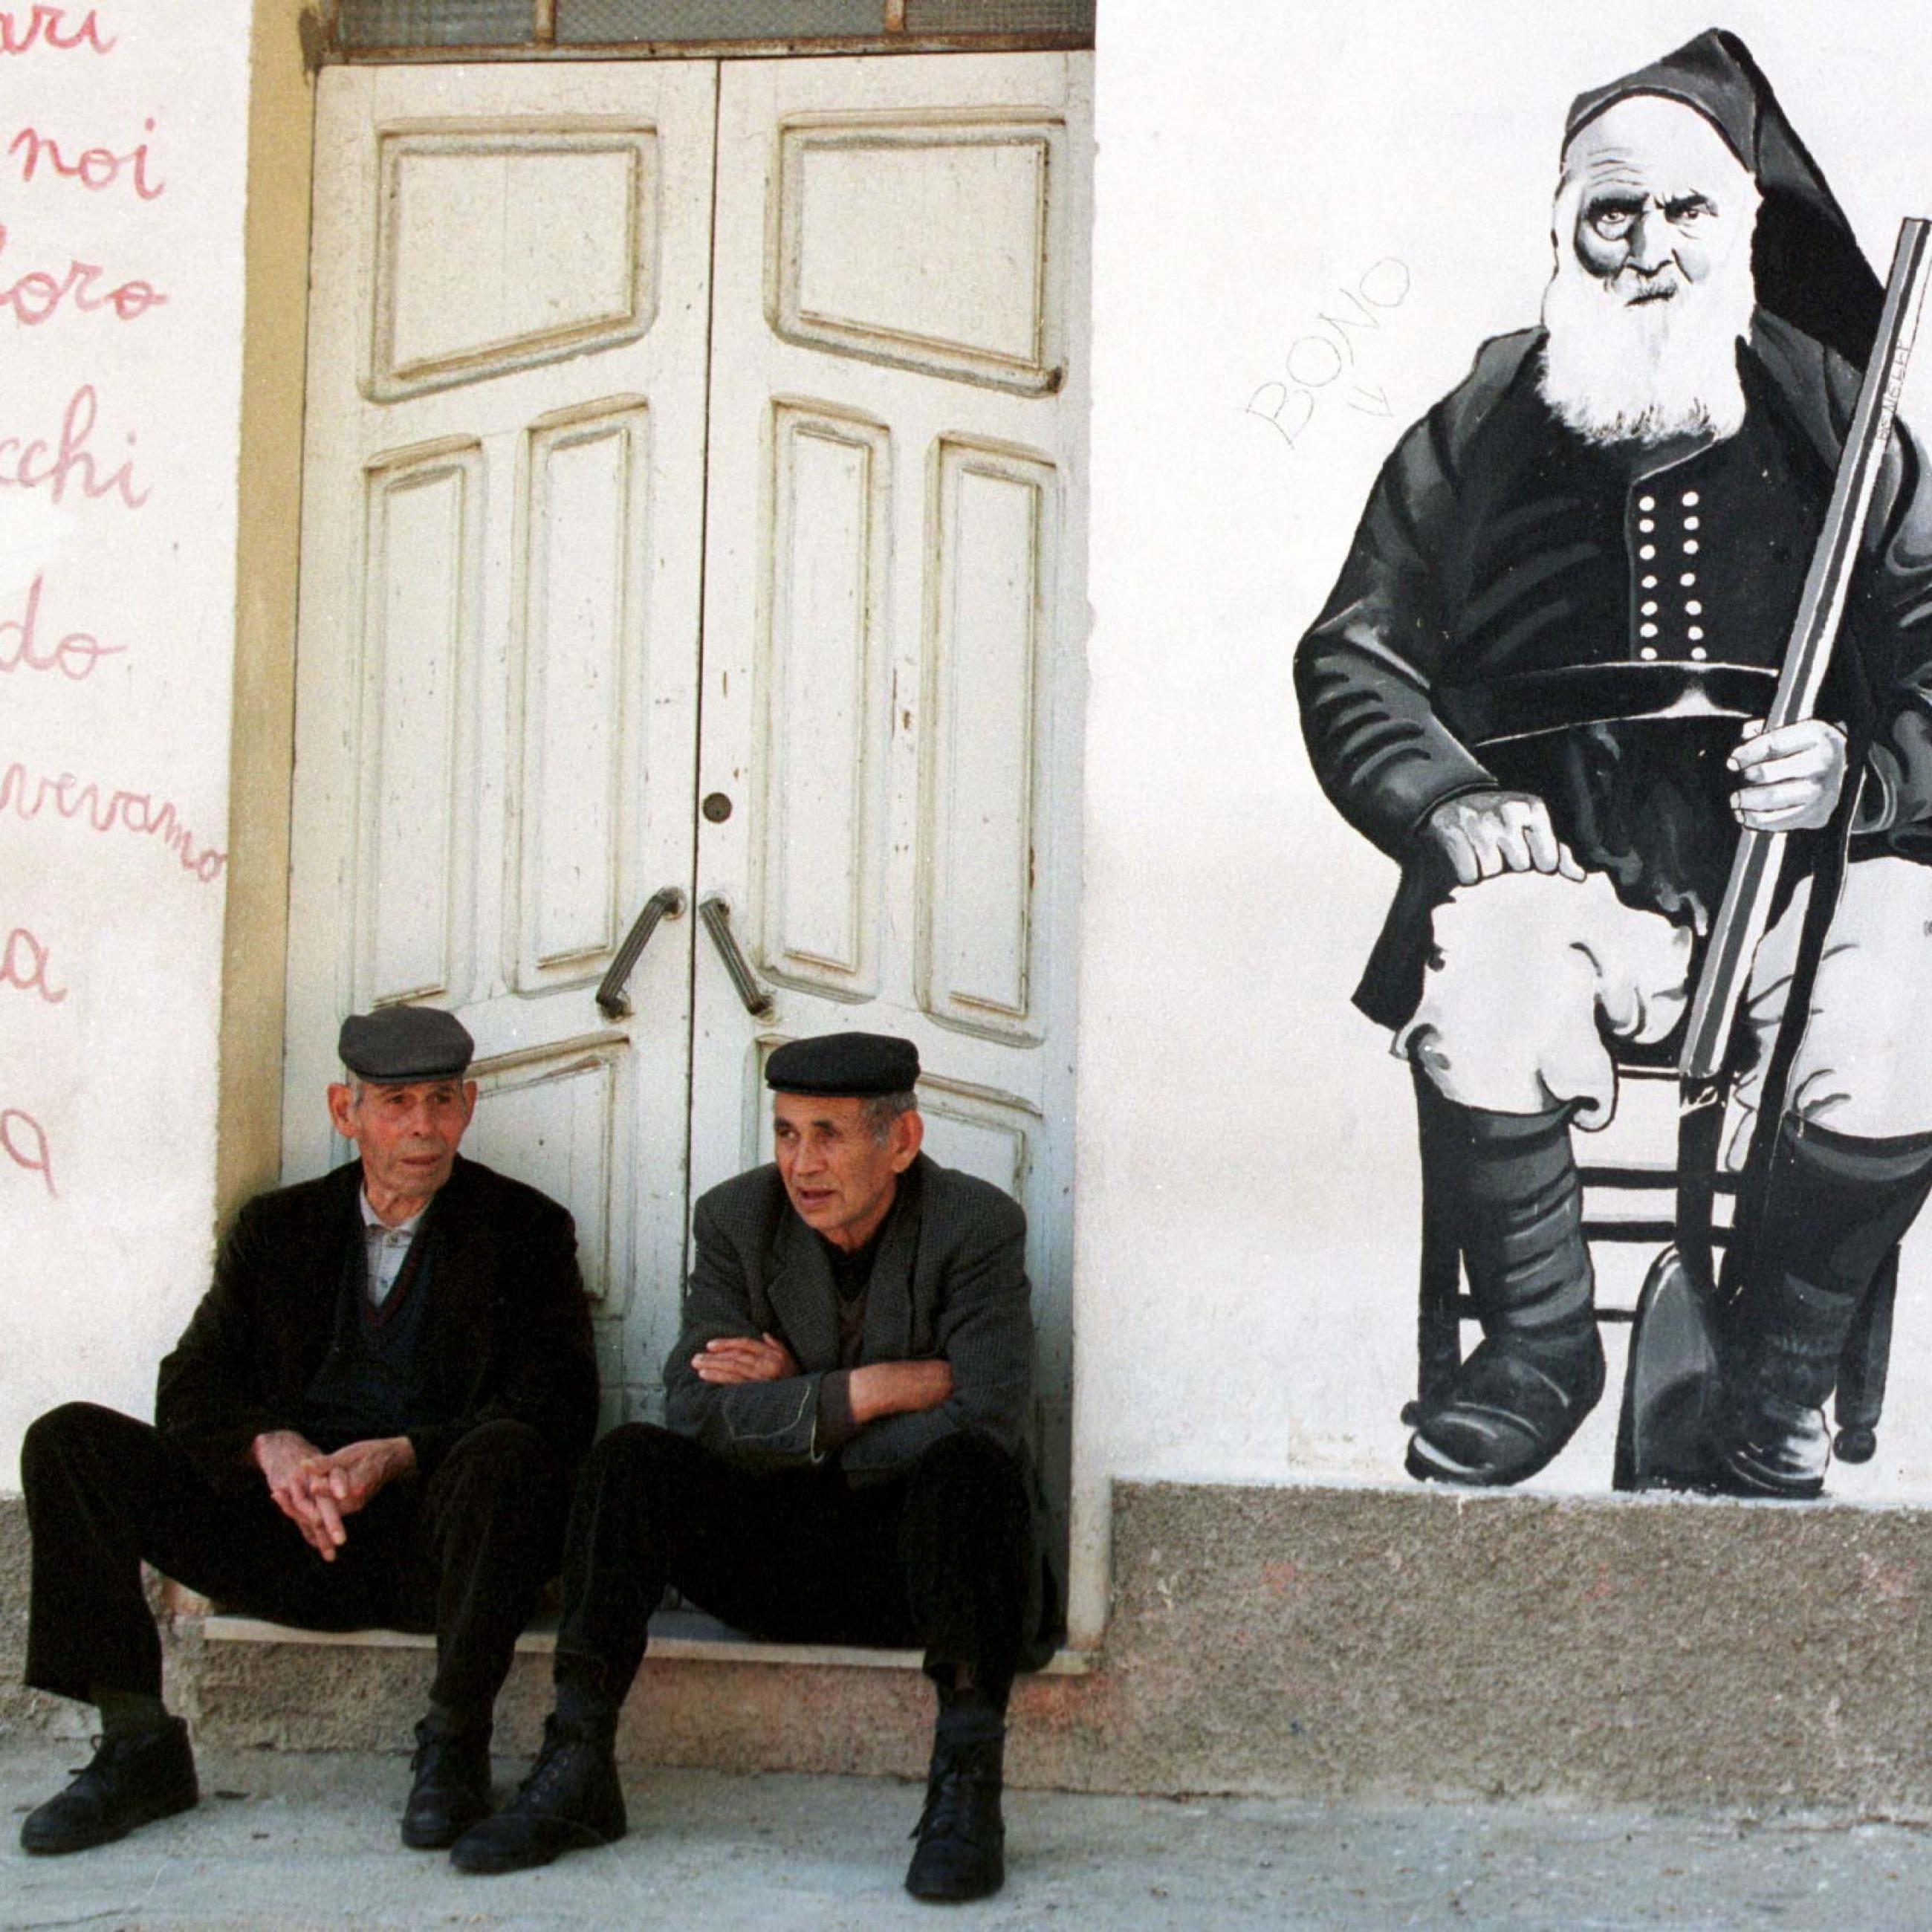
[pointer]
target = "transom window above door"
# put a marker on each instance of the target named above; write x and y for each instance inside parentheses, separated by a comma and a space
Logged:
(380, 29)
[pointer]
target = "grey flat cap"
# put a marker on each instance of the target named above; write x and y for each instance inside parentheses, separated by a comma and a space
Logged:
(395, 1045)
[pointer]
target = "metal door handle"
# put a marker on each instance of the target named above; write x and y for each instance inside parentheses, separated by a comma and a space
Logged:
(716, 914)
(666, 902)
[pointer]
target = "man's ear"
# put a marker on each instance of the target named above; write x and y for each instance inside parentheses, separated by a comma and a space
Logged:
(342, 1109)
(908, 1132)
(469, 1101)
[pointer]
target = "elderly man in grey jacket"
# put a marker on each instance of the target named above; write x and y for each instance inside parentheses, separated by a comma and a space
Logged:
(845, 1461)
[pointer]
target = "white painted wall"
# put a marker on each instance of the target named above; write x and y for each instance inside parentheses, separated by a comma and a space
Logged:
(115, 1079)
(1247, 1195)
(1245, 1289)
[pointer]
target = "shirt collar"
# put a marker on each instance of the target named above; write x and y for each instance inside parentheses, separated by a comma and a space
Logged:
(373, 1221)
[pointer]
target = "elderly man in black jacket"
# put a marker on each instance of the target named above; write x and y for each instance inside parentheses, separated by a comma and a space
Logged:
(845, 1463)
(1539, 687)
(372, 1419)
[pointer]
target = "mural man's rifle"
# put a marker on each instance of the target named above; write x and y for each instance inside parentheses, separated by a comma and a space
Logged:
(1673, 1354)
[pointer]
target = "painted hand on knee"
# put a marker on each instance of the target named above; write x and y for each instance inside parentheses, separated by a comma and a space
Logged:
(1483, 834)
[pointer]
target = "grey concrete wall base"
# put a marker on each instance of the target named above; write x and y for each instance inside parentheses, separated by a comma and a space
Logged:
(1309, 1643)
(1315, 1642)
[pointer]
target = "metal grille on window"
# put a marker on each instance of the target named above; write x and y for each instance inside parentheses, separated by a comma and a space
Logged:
(435, 23)
(1000, 16)
(610, 22)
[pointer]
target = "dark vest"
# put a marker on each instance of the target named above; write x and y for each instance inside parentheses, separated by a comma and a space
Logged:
(1616, 626)
(369, 1384)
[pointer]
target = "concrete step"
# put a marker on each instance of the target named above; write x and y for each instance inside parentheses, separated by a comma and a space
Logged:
(685, 1637)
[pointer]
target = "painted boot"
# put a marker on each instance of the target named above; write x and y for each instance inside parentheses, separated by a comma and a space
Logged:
(1539, 1369)
(1834, 1207)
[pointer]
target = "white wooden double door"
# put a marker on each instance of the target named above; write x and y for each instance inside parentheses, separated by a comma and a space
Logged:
(694, 505)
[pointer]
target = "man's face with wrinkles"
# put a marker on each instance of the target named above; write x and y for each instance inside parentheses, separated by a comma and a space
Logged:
(1662, 203)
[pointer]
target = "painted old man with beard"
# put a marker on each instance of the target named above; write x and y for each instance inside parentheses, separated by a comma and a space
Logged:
(1539, 686)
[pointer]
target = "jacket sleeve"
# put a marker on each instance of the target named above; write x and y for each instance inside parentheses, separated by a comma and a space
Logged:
(545, 1371)
(1363, 673)
(209, 1399)
(759, 1425)
(985, 1333)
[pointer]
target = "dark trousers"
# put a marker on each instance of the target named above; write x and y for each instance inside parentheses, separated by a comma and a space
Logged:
(937, 1559)
(464, 1554)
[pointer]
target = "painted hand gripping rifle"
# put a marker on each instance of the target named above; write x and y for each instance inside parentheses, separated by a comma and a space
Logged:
(1674, 1361)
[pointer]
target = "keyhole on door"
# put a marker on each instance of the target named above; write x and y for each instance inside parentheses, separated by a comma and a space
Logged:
(716, 807)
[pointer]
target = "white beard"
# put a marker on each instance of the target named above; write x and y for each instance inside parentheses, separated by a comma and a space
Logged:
(1617, 372)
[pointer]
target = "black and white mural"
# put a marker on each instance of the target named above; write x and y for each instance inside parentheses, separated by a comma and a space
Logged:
(1627, 669)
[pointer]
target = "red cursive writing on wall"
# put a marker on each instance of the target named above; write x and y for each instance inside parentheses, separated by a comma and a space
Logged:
(23, 965)
(139, 811)
(37, 296)
(24, 647)
(27, 464)
(24, 1141)
(21, 31)
(94, 168)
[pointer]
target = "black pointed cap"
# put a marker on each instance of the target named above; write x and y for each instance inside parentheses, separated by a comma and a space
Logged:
(1807, 262)
(836, 1063)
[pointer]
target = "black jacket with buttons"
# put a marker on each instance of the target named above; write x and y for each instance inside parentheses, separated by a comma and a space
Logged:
(1521, 608)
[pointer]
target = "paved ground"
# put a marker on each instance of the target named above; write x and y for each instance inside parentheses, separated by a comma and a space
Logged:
(284, 1841)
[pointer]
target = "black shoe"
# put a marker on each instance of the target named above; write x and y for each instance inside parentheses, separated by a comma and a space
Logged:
(1515, 1402)
(571, 1799)
(451, 1791)
(134, 1777)
(961, 1853)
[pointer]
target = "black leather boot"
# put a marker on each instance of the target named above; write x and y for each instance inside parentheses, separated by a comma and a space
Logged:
(451, 1792)
(1511, 1183)
(962, 1852)
(134, 1777)
(1833, 1207)
(571, 1799)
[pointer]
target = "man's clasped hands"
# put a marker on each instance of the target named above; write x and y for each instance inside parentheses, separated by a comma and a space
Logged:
(315, 1491)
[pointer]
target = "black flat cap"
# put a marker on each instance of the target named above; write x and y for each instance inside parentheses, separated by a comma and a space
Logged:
(844, 1063)
(394, 1045)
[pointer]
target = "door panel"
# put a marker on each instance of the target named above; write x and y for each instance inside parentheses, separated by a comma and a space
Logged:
(895, 605)
(497, 661)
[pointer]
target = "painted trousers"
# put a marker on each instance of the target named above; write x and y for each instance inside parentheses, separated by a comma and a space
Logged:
(1527, 965)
